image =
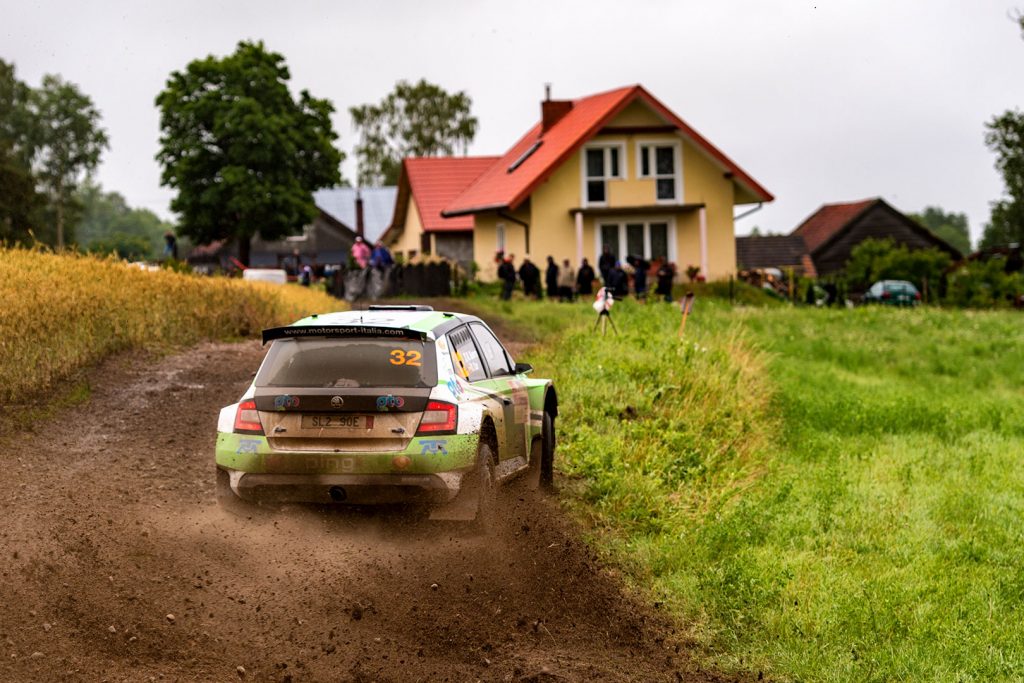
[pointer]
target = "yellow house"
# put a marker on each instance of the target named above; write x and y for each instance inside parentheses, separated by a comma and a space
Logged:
(617, 170)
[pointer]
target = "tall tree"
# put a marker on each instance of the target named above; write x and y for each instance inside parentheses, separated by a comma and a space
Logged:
(67, 142)
(420, 120)
(1005, 137)
(243, 154)
(20, 203)
(951, 227)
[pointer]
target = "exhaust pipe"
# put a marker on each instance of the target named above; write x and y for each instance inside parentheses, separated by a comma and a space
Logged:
(338, 494)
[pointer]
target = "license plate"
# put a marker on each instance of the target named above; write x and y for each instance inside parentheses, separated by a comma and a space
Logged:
(337, 421)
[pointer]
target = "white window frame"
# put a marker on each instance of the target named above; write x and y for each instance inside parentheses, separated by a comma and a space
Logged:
(677, 159)
(499, 237)
(623, 162)
(621, 223)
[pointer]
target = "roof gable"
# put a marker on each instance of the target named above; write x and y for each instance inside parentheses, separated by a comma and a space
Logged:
(828, 220)
(436, 181)
(340, 204)
(539, 153)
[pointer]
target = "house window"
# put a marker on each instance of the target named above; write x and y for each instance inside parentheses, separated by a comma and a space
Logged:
(661, 163)
(650, 239)
(499, 236)
(601, 164)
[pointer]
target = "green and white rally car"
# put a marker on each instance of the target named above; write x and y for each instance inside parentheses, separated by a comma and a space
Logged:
(390, 405)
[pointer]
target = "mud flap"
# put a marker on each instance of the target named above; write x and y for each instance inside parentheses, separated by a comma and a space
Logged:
(462, 508)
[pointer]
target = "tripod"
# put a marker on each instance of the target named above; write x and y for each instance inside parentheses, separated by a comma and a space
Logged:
(604, 316)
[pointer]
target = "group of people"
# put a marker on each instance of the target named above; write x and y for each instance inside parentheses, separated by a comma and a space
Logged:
(364, 257)
(565, 283)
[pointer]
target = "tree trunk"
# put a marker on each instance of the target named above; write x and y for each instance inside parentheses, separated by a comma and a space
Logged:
(243, 249)
(60, 216)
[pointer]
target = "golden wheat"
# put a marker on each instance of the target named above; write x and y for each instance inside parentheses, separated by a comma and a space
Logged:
(59, 313)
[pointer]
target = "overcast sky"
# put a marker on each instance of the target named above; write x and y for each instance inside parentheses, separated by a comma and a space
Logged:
(820, 101)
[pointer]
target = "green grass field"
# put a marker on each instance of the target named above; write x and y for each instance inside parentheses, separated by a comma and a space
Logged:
(819, 495)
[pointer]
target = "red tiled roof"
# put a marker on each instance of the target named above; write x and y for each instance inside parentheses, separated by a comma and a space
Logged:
(436, 181)
(499, 188)
(821, 225)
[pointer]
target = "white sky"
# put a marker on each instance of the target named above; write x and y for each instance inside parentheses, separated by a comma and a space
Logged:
(819, 100)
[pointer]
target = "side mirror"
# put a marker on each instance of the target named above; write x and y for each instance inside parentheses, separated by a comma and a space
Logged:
(523, 368)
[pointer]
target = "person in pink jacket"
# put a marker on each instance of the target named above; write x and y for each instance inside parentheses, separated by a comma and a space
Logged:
(361, 252)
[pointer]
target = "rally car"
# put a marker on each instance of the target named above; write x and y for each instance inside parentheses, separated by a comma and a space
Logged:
(395, 404)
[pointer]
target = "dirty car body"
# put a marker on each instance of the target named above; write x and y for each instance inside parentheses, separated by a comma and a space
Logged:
(389, 405)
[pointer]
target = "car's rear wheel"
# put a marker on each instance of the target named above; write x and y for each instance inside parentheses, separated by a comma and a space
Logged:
(483, 486)
(228, 501)
(542, 456)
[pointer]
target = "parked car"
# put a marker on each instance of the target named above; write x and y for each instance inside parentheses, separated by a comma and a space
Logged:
(893, 293)
(396, 404)
(276, 275)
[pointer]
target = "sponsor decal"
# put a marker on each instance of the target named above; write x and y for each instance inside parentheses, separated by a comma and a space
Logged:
(454, 387)
(337, 401)
(284, 401)
(389, 401)
(433, 446)
(339, 331)
(248, 446)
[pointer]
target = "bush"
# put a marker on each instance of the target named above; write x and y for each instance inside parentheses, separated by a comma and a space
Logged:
(984, 284)
(874, 260)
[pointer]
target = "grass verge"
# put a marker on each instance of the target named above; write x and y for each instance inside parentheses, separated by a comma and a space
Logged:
(61, 313)
(844, 504)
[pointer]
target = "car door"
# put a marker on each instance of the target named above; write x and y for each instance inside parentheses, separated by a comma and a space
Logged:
(502, 380)
(468, 363)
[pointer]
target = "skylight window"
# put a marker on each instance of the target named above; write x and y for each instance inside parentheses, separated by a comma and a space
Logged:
(524, 156)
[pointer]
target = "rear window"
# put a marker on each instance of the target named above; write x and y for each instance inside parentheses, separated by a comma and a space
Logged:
(349, 363)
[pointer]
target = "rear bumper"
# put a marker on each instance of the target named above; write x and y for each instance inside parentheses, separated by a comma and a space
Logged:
(351, 489)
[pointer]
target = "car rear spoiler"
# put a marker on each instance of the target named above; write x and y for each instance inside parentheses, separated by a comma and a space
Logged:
(300, 331)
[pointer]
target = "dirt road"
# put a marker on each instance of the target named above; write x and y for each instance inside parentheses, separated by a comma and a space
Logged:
(117, 565)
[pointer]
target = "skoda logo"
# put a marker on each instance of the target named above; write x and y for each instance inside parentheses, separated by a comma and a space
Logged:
(337, 401)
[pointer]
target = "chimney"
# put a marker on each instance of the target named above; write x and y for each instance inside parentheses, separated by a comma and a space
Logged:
(552, 111)
(359, 213)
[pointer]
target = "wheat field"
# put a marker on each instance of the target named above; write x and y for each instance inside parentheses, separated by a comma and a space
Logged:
(62, 312)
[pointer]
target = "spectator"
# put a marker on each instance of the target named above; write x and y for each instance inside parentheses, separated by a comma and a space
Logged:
(606, 264)
(666, 274)
(507, 275)
(551, 278)
(530, 275)
(585, 279)
(618, 281)
(640, 268)
(361, 253)
(171, 245)
(381, 257)
(307, 276)
(566, 281)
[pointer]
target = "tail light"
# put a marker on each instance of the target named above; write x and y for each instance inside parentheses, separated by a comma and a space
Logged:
(247, 419)
(887, 294)
(439, 418)
(917, 295)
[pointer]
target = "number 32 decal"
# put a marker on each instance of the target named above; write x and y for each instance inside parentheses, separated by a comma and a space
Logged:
(400, 357)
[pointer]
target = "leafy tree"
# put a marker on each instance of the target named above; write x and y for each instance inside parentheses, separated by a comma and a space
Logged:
(109, 224)
(874, 260)
(418, 120)
(1005, 137)
(951, 227)
(66, 141)
(243, 154)
(20, 203)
